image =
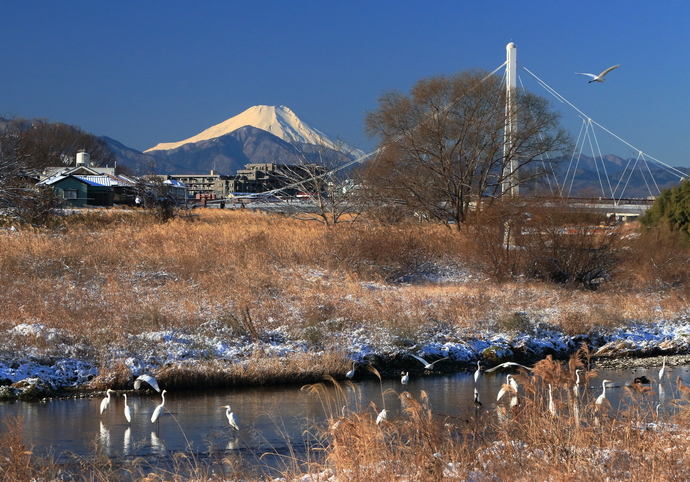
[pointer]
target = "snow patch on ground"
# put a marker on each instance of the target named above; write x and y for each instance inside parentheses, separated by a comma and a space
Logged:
(60, 365)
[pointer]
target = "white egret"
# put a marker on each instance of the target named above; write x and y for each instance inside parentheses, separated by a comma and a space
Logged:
(507, 364)
(159, 409)
(383, 415)
(232, 418)
(602, 397)
(552, 406)
(148, 379)
(427, 365)
(405, 378)
(128, 411)
(106, 401)
(600, 77)
(478, 372)
(351, 373)
(576, 387)
(662, 372)
(509, 386)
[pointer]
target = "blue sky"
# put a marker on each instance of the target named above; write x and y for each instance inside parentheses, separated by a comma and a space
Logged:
(146, 72)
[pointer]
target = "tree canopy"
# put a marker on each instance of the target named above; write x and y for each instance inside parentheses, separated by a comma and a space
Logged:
(442, 145)
(671, 208)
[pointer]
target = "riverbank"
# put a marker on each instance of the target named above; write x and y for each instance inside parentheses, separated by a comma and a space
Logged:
(235, 299)
(182, 360)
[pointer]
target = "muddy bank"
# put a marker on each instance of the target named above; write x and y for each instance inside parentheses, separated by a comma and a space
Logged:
(641, 361)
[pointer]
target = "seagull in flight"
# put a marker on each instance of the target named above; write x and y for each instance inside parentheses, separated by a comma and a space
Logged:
(600, 77)
(427, 365)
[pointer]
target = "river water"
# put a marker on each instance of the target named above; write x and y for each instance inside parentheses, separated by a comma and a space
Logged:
(276, 420)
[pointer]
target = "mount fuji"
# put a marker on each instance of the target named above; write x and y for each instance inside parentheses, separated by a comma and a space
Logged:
(260, 134)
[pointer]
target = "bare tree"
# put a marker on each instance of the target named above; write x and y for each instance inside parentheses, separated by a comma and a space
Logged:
(47, 144)
(442, 146)
(322, 175)
(28, 146)
(13, 173)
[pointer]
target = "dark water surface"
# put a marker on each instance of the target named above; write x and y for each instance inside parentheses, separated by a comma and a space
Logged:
(277, 420)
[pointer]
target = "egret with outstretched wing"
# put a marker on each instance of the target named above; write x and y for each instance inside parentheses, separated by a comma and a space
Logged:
(427, 365)
(600, 77)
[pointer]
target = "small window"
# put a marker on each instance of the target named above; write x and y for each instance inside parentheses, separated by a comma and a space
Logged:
(70, 193)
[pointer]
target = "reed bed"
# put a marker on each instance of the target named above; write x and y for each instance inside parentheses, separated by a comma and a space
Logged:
(555, 432)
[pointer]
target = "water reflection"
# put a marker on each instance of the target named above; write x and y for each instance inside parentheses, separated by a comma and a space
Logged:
(280, 420)
(157, 444)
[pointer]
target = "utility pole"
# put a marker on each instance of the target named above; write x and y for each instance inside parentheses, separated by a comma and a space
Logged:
(510, 184)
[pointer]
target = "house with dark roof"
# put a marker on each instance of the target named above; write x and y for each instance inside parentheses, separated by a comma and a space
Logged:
(92, 190)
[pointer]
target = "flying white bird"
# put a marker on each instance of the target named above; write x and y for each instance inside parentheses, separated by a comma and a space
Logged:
(600, 77)
(148, 379)
(427, 365)
(232, 418)
(106, 401)
(507, 364)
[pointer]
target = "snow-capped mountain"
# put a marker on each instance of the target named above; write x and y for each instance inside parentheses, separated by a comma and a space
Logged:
(261, 134)
(279, 121)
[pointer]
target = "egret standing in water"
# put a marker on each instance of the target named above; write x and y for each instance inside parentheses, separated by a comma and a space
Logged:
(602, 397)
(351, 373)
(128, 411)
(552, 406)
(576, 387)
(106, 400)
(478, 372)
(232, 418)
(662, 372)
(405, 378)
(159, 410)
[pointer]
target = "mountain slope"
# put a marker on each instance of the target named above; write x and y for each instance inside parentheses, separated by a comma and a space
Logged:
(279, 121)
(141, 163)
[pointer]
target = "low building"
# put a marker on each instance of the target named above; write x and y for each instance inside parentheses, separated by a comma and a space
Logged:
(206, 185)
(92, 190)
(258, 178)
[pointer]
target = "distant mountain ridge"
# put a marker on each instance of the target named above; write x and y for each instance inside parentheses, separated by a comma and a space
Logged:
(264, 134)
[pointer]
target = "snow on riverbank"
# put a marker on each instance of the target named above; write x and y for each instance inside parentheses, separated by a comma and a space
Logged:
(62, 362)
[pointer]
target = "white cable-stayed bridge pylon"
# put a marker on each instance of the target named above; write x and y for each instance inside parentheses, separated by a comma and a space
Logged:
(587, 140)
